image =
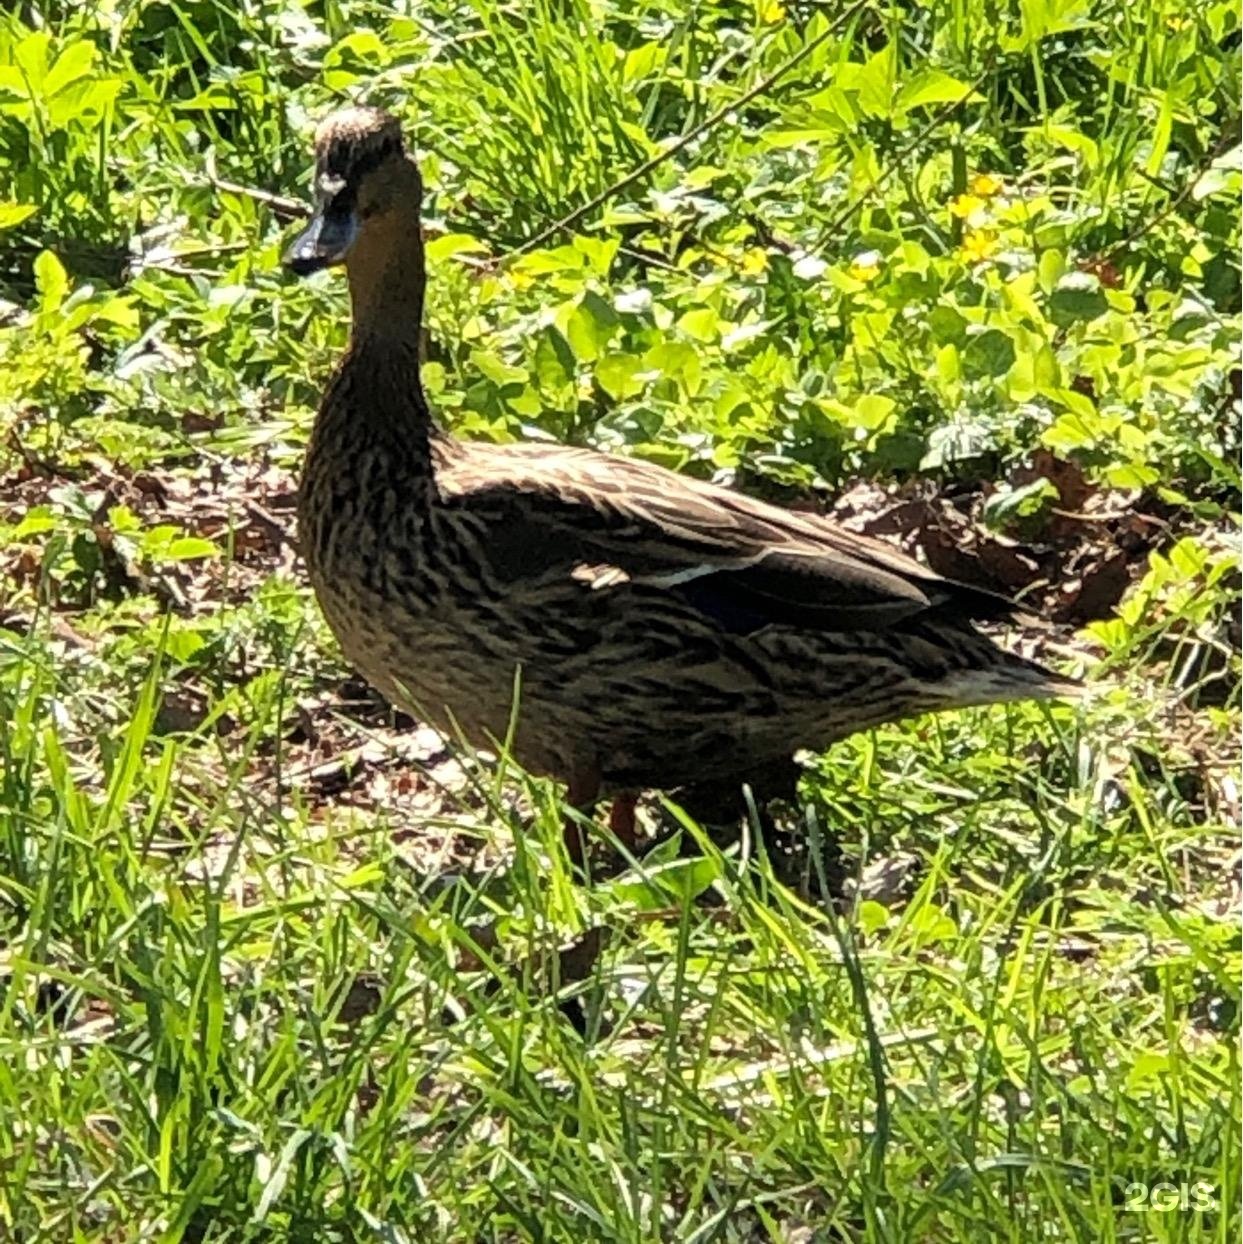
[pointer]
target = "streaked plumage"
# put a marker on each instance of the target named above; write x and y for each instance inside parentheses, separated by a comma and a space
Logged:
(668, 633)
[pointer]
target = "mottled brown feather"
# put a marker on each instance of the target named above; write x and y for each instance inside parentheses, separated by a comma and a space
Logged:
(660, 631)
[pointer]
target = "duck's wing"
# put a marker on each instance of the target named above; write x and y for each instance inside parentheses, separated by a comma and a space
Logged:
(535, 513)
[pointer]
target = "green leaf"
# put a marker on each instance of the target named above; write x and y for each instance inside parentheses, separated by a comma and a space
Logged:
(51, 280)
(182, 644)
(990, 353)
(615, 374)
(702, 324)
(1050, 269)
(560, 259)
(873, 410)
(273, 1178)
(73, 63)
(1008, 504)
(947, 325)
(949, 364)
(590, 326)
(931, 923)
(496, 369)
(1132, 475)
(933, 87)
(449, 244)
(554, 360)
(679, 881)
(187, 548)
(599, 252)
(872, 82)
(1077, 298)
(35, 522)
(1068, 433)
(872, 916)
(1161, 135)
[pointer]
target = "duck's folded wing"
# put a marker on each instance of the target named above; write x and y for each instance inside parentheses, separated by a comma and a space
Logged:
(608, 521)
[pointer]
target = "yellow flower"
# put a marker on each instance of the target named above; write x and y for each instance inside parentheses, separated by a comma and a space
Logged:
(978, 244)
(754, 261)
(769, 11)
(985, 185)
(966, 205)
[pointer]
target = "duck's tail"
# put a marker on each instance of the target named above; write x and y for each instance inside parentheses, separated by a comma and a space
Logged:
(999, 676)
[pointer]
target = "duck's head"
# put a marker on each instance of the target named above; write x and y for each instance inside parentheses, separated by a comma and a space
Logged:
(366, 187)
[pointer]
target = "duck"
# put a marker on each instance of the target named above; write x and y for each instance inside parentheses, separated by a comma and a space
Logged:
(612, 624)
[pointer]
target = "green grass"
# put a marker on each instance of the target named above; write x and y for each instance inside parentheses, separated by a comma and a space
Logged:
(271, 967)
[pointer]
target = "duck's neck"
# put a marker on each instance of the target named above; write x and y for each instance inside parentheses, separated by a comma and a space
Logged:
(378, 395)
(385, 272)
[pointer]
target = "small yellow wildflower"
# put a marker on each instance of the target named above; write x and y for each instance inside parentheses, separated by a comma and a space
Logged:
(966, 205)
(769, 11)
(516, 279)
(754, 261)
(865, 266)
(985, 185)
(979, 244)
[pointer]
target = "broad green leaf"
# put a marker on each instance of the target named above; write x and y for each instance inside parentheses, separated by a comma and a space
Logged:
(1050, 269)
(559, 259)
(947, 325)
(589, 326)
(949, 364)
(599, 252)
(31, 58)
(615, 373)
(51, 280)
(1078, 297)
(1132, 475)
(35, 522)
(701, 324)
(933, 87)
(183, 643)
(872, 916)
(73, 63)
(554, 360)
(496, 369)
(449, 244)
(872, 82)
(990, 353)
(872, 411)
(1073, 140)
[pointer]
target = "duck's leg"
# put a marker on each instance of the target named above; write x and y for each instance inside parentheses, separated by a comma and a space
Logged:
(582, 793)
(720, 807)
(621, 818)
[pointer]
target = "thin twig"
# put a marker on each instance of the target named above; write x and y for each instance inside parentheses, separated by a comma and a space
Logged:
(292, 209)
(1229, 138)
(709, 123)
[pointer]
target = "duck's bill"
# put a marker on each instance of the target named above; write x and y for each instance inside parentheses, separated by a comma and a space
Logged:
(324, 242)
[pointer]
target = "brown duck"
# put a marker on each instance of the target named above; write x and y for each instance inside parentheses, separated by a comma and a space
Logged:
(625, 626)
